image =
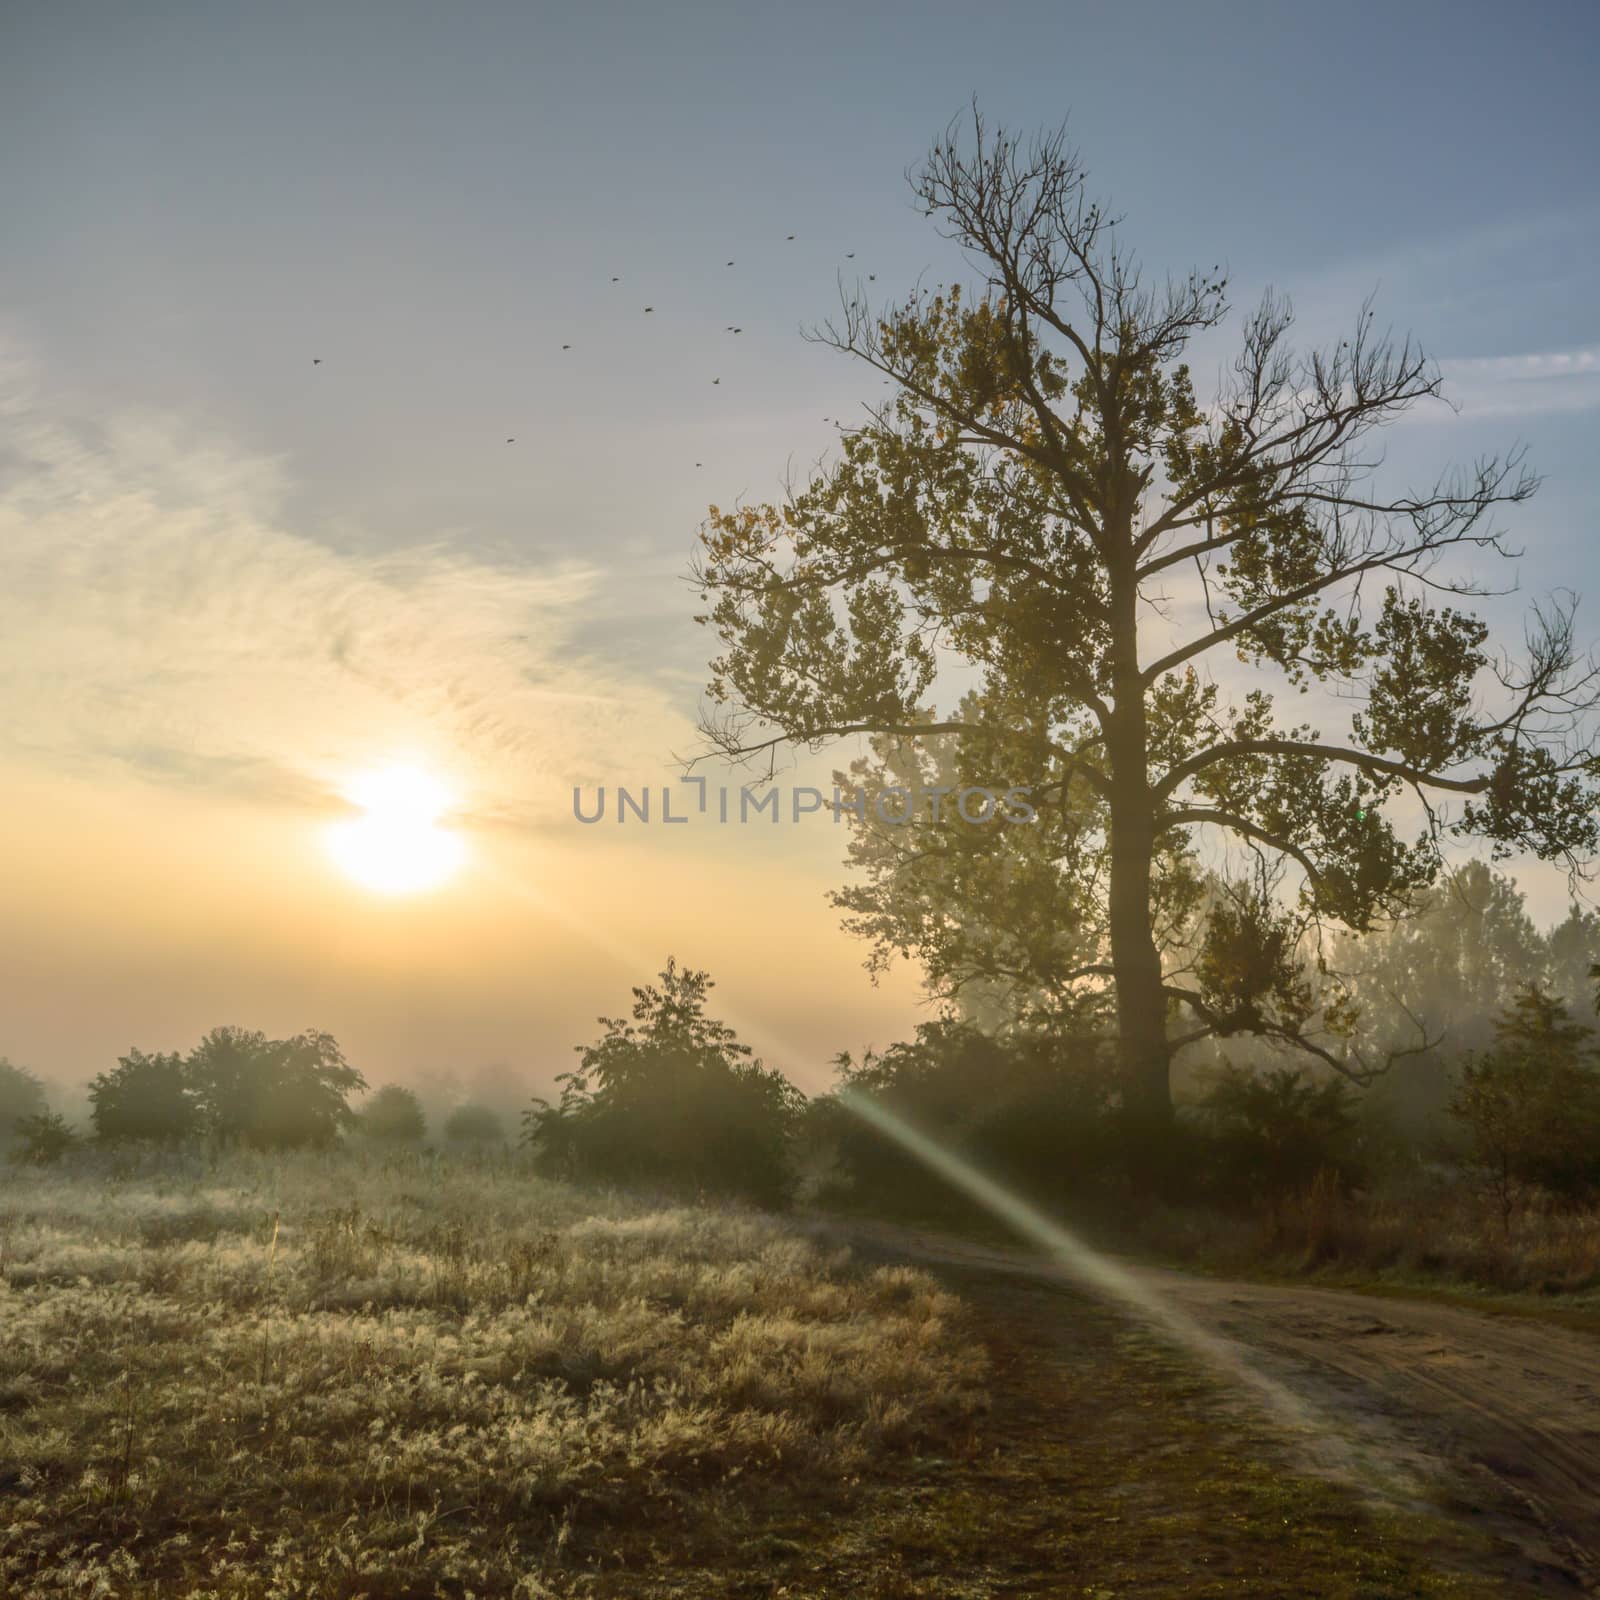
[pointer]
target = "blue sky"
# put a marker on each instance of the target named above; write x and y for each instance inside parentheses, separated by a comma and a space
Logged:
(201, 199)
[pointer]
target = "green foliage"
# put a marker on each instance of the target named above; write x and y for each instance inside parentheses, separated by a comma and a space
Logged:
(272, 1092)
(235, 1086)
(1012, 518)
(1532, 1102)
(393, 1116)
(1274, 1131)
(1030, 1110)
(472, 1124)
(42, 1139)
(671, 1098)
(1249, 972)
(1442, 973)
(1016, 908)
(144, 1097)
(21, 1095)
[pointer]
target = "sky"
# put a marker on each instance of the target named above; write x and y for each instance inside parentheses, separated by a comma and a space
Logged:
(278, 283)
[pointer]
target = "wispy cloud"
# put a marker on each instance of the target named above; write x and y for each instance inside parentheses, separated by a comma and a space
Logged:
(1552, 380)
(157, 615)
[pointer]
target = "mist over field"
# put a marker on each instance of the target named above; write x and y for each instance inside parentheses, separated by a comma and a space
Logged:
(798, 803)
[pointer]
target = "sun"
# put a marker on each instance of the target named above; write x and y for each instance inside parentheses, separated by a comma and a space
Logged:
(397, 846)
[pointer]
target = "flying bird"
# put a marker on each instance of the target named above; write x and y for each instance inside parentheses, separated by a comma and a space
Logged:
(649, 308)
(730, 263)
(716, 380)
(872, 277)
(791, 237)
(738, 330)
(850, 255)
(511, 441)
(316, 361)
(616, 280)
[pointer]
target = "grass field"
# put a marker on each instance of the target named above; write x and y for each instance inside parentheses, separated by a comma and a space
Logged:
(331, 1376)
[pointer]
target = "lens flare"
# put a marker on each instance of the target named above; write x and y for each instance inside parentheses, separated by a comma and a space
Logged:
(1096, 1271)
(1324, 1445)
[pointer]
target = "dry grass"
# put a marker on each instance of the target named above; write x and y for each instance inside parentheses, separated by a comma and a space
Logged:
(1433, 1231)
(328, 1376)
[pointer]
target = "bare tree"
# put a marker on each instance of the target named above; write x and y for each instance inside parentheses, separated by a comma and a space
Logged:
(1040, 477)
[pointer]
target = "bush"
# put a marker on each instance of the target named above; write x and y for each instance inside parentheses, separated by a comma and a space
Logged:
(472, 1124)
(1532, 1103)
(1276, 1131)
(394, 1116)
(671, 1099)
(1029, 1110)
(42, 1139)
(21, 1095)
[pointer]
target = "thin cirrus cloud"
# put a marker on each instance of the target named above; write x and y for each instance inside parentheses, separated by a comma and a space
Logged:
(159, 620)
(1520, 385)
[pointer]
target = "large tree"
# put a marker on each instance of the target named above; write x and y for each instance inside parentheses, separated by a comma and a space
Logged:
(1044, 500)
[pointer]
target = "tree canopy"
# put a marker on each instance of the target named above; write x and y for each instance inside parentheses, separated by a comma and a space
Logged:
(265, 1092)
(236, 1085)
(1046, 505)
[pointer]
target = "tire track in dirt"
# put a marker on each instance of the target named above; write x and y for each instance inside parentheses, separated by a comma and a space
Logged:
(1497, 1416)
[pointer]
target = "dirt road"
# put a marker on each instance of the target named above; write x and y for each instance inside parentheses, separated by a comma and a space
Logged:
(1494, 1418)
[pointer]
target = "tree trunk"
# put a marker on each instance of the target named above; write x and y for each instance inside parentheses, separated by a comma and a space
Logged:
(1144, 1055)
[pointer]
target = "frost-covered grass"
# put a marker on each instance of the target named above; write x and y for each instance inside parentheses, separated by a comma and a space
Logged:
(338, 1375)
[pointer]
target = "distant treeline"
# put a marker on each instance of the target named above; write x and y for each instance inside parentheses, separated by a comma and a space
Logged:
(235, 1088)
(1506, 1091)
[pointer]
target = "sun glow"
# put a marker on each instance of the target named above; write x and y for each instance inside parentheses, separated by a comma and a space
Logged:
(397, 846)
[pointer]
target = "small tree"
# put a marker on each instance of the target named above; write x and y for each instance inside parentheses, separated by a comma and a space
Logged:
(144, 1097)
(273, 1092)
(21, 1095)
(43, 1138)
(1532, 1102)
(671, 1097)
(474, 1125)
(394, 1116)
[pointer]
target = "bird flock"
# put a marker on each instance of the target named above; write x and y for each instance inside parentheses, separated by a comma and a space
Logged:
(733, 328)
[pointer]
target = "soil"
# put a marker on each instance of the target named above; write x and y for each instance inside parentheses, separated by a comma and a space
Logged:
(1493, 1420)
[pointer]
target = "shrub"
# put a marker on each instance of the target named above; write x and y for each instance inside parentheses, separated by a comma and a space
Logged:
(394, 1116)
(1030, 1110)
(42, 1139)
(472, 1124)
(1532, 1103)
(21, 1095)
(1275, 1131)
(673, 1099)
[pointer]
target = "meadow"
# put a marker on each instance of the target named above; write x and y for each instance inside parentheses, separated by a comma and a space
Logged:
(323, 1374)
(348, 1374)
